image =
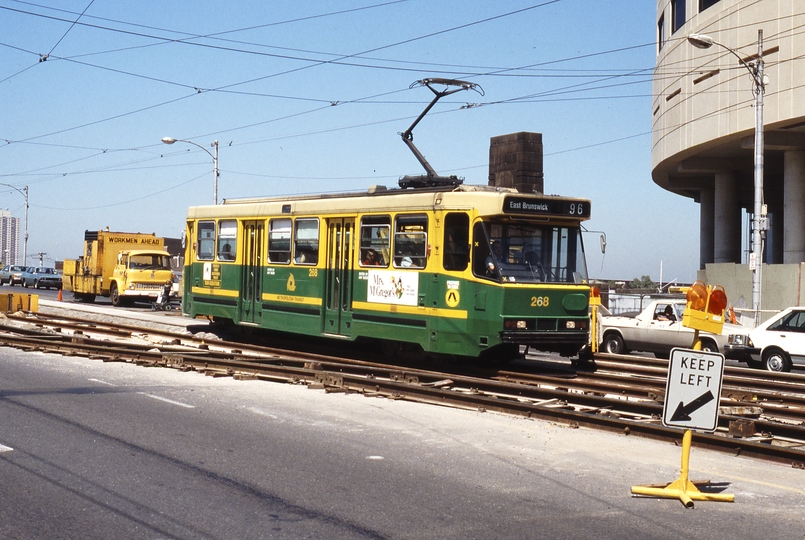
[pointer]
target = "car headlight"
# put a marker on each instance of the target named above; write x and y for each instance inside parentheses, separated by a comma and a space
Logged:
(740, 339)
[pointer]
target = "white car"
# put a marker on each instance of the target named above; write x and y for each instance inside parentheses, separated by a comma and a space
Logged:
(775, 345)
(657, 329)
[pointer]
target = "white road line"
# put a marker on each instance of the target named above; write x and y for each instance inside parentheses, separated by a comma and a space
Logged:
(262, 413)
(5, 448)
(102, 382)
(166, 400)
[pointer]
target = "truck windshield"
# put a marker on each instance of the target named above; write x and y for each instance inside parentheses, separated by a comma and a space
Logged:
(149, 262)
(528, 253)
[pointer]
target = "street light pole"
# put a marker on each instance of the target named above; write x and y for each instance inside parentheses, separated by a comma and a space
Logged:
(24, 193)
(759, 224)
(214, 156)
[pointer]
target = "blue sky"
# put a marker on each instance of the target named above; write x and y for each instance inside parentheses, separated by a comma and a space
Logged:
(309, 97)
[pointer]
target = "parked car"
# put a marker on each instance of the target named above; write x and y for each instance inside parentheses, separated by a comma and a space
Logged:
(12, 274)
(657, 329)
(775, 345)
(41, 278)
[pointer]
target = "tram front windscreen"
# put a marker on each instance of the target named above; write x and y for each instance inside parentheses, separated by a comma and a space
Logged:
(528, 253)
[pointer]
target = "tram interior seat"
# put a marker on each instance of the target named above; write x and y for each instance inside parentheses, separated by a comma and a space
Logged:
(225, 253)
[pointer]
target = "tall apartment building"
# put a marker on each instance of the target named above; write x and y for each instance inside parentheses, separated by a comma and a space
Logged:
(9, 238)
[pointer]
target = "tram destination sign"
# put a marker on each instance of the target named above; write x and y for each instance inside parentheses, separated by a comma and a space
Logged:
(544, 206)
(693, 389)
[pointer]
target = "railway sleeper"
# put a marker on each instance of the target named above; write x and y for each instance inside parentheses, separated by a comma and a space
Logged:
(173, 360)
(329, 379)
(407, 378)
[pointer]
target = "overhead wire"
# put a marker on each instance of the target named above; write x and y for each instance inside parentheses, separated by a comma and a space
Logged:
(66, 32)
(531, 98)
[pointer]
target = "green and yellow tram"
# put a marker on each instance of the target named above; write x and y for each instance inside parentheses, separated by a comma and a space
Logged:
(459, 270)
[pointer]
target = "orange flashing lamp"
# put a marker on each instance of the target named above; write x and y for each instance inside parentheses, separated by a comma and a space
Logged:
(705, 308)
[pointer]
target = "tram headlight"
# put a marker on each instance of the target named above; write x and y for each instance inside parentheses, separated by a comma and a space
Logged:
(574, 324)
(515, 324)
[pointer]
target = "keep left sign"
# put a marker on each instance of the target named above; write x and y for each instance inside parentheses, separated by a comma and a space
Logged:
(693, 389)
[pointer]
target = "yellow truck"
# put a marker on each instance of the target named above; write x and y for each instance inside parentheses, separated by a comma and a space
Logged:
(126, 267)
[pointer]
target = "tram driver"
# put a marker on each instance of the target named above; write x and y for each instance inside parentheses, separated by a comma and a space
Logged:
(495, 258)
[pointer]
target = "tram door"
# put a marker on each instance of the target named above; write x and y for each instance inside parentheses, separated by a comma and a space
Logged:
(338, 293)
(251, 280)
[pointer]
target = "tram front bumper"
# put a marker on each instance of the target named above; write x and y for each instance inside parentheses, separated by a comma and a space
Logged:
(565, 342)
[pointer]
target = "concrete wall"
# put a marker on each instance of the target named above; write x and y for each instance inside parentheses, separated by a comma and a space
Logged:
(782, 285)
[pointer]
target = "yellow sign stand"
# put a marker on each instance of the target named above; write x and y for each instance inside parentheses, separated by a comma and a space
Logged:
(682, 488)
(595, 301)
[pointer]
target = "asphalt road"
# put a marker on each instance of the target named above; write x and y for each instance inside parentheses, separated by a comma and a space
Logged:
(94, 450)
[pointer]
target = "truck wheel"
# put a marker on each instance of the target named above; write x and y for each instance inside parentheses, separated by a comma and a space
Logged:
(776, 360)
(114, 295)
(613, 344)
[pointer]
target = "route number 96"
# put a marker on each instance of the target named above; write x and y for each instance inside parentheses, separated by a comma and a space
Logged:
(576, 209)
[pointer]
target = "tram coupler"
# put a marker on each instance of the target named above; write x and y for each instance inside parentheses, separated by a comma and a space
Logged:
(682, 488)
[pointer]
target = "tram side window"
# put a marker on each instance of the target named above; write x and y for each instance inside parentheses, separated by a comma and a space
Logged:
(279, 241)
(306, 241)
(227, 240)
(206, 240)
(456, 241)
(410, 241)
(375, 240)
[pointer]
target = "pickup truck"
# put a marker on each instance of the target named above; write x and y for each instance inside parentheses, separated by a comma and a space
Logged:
(657, 329)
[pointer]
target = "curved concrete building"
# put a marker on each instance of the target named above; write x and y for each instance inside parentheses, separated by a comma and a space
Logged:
(703, 126)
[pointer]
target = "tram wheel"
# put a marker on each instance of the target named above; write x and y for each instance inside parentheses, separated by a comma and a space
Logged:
(390, 348)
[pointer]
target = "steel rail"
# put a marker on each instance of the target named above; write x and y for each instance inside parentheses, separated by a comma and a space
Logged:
(562, 403)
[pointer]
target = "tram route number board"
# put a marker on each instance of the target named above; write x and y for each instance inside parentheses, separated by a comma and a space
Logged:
(693, 389)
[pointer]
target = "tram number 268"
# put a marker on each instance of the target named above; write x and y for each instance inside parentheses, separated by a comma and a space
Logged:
(540, 301)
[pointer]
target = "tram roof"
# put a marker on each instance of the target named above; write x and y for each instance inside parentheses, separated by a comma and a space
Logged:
(485, 199)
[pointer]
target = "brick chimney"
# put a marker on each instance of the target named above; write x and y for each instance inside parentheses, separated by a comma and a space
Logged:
(515, 161)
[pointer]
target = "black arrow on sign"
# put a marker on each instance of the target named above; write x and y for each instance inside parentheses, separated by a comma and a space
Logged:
(682, 412)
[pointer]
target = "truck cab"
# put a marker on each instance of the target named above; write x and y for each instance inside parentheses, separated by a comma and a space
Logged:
(139, 275)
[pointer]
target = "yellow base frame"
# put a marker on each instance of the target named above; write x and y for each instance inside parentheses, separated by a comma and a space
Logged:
(682, 488)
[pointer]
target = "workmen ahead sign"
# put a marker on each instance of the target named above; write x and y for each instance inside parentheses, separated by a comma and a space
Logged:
(693, 390)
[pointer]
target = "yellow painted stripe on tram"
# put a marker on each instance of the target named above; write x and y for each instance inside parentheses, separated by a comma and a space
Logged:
(411, 310)
(210, 291)
(287, 298)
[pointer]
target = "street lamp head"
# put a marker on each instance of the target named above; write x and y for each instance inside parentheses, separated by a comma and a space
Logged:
(701, 41)
(168, 140)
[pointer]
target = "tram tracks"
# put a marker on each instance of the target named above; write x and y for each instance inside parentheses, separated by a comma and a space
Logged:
(762, 414)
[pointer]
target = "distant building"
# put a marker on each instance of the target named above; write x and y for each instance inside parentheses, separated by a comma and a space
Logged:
(9, 238)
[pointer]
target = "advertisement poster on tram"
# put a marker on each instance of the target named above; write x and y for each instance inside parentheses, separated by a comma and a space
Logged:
(393, 287)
